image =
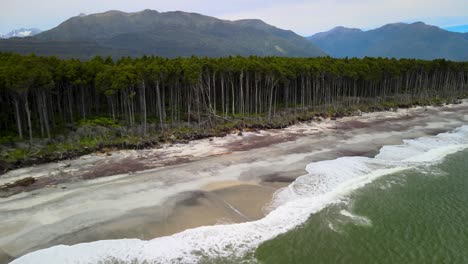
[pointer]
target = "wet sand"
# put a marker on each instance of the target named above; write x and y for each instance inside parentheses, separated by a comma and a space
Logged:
(206, 182)
(234, 204)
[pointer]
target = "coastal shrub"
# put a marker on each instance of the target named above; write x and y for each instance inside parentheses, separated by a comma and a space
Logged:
(98, 121)
(12, 155)
(9, 139)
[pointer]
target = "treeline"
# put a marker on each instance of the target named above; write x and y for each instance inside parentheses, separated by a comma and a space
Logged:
(44, 96)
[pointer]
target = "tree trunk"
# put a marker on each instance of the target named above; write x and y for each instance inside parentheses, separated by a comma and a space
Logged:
(28, 115)
(143, 106)
(18, 118)
(83, 102)
(44, 114)
(158, 98)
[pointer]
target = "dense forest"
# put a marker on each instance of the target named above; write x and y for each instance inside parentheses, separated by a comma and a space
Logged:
(45, 100)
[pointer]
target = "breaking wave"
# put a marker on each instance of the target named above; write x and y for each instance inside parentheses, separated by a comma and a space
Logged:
(326, 182)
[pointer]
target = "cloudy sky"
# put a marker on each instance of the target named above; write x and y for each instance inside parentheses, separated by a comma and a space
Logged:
(302, 16)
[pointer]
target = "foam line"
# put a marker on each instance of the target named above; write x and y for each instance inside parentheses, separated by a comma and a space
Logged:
(326, 182)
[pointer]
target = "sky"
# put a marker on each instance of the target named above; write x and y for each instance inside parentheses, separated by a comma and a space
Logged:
(305, 17)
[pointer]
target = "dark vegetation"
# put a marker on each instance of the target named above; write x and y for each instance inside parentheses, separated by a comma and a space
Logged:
(400, 40)
(54, 109)
(168, 34)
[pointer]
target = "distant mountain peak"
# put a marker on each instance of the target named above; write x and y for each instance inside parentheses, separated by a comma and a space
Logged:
(397, 40)
(147, 11)
(251, 21)
(167, 34)
(345, 29)
(255, 23)
(414, 25)
(110, 13)
(21, 33)
(336, 31)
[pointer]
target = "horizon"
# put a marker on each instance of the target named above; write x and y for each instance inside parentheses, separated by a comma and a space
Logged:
(303, 17)
(151, 131)
(459, 28)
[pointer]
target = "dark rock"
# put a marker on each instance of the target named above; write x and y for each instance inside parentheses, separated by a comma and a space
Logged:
(4, 166)
(23, 182)
(339, 115)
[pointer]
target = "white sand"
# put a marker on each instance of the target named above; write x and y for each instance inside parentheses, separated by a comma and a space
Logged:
(37, 219)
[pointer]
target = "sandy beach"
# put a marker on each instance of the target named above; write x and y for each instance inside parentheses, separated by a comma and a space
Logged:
(151, 193)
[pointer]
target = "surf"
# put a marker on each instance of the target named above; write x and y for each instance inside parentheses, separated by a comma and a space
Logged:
(325, 183)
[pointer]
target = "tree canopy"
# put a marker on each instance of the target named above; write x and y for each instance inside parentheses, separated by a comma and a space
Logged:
(45, 95)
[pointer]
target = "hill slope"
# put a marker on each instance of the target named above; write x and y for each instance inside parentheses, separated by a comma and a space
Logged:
(168, 34)
(399, 40)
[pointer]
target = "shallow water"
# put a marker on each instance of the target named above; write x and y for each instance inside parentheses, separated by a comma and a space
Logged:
(150, 203)
(330, 189)
(414, 216)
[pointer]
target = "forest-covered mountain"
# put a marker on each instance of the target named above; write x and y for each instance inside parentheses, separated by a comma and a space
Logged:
(168, 34)
(400, 40)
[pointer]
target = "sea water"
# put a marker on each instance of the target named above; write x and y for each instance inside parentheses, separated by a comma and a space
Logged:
(419, 215)
(406, 205)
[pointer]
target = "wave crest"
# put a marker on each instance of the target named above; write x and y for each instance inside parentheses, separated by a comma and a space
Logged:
(326, 182)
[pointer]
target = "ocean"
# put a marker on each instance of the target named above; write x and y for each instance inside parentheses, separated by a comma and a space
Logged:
(405, 205)
(418, 215)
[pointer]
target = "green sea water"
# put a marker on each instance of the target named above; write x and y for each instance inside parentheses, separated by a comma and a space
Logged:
(353, 212)
(415, 216)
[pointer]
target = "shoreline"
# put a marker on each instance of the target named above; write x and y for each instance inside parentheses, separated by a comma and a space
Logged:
(165, 200)
(185, 138)
(12, 187)
(341, 176)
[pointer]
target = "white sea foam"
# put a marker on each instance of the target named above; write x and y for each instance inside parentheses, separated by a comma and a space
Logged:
(357, 219)
(326, 182)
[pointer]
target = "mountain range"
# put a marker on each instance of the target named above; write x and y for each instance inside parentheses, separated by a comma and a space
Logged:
(168, 34)
(173, 34)
(21, 33)
(399, 40)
